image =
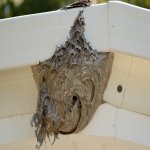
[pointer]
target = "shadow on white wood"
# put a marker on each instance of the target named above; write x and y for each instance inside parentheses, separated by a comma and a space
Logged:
(18, 92)
(119, 76)
(137, 94)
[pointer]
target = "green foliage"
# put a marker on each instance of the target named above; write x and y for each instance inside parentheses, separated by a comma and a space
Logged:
(141, 3)
(8, 8)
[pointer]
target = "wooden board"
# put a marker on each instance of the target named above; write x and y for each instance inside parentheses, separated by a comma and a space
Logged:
(133, 74)
(117, 129)
(119, 76)
(18, 92)
(129, 28)
(26, 40)
(137, 93)
(132, 128)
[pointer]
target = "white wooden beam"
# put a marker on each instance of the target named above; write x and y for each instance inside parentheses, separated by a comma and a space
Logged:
(129, 28)
(133, 74)
(132, 127)
(116, 27)
(26, 40)
(16, 129)
(110, 128)
(119, 76)
(18, 92)
(137, 90)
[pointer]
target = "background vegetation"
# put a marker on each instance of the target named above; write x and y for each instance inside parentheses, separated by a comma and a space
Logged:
(141, 3)
(11, 8)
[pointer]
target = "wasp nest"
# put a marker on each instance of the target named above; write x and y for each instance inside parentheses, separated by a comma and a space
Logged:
(70, 85)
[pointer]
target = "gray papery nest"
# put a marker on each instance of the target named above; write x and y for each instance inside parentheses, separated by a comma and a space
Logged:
(70, 85)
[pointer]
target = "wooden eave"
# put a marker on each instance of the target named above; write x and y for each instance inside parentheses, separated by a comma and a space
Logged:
(110, 27)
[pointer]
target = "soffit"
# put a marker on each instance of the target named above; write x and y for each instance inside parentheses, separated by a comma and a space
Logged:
(133, 74)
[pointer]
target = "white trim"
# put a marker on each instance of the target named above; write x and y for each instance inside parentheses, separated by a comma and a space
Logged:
(133, 74)
(26, 40)
(109, 126)
(129, 28)
(18, 92)
(115, 26)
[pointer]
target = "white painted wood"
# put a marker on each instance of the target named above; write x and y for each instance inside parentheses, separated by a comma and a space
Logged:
(18, 129)
(133, 74)
(119, 76)
(21, 145)
(105, 128)
(30, 145)
(100, 130)
(130, 145)
(14, 129)
(129, 28)
(133, 127)
(102, 124)
(110, 147)
(116, 27)
(102, 127)
(18, 92)
(59, 144)
(68, 145)
(87, 146)
(131, 132)
(137, 93)
(26, 40)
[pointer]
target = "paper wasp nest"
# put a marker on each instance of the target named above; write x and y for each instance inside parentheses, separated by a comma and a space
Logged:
(70, 85)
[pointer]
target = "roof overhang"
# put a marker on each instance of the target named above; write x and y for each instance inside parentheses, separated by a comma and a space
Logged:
(110, 27)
